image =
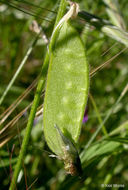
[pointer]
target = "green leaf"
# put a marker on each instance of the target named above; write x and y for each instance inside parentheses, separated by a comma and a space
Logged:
(119, 139)
(67, 88)
(99, 149)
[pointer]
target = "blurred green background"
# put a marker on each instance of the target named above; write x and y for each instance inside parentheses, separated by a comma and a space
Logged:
(106, 161)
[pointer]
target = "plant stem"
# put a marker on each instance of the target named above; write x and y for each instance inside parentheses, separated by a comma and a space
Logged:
(40, 86)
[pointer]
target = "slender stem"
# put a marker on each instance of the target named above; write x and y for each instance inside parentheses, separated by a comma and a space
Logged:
(40, 86)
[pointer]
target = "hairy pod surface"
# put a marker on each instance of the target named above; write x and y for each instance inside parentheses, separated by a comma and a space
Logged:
(66, 90)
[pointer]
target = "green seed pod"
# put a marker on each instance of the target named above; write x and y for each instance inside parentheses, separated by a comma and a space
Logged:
(66, 96)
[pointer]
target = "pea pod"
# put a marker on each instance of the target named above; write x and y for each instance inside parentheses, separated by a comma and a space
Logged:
(66, 90)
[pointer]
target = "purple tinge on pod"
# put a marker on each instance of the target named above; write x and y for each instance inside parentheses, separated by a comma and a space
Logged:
(85, 119)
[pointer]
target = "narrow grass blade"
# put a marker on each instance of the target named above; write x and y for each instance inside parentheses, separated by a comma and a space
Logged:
(18, 70)
(113, 10)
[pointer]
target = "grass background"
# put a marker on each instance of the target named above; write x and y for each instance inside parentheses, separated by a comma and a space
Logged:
(105, 162)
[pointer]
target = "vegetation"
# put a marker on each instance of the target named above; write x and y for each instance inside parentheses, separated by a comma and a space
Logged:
(26, 46)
